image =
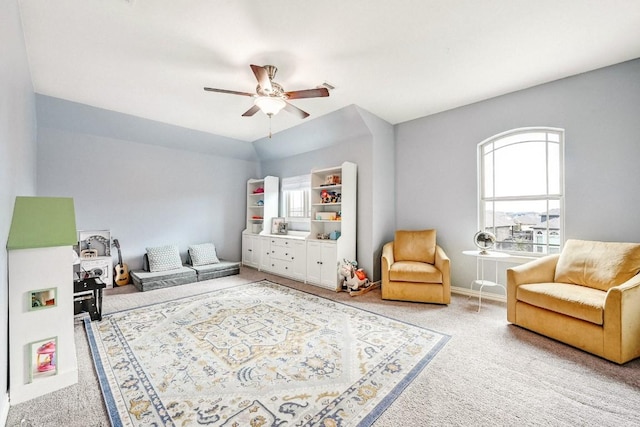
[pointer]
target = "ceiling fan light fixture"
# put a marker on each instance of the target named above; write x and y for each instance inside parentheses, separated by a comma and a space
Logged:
(270, 105)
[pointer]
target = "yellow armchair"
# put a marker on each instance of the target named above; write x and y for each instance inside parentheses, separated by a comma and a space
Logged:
(415, 268)
(588, 297)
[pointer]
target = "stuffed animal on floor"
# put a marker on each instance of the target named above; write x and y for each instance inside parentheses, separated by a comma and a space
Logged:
(353, 278)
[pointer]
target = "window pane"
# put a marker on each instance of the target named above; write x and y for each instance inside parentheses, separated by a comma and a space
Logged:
(296, 203)
(525, 226)
(488, 175)
(520, 170)
(554, 168)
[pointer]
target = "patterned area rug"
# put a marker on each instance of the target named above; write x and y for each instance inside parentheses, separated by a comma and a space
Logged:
(260, 354)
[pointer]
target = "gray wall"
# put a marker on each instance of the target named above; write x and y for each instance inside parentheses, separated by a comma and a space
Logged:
(17, 155)
(382, 197)
(436, 159)
(147, 195)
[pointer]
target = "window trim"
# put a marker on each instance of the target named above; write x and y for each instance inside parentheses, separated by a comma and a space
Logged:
(481, 199)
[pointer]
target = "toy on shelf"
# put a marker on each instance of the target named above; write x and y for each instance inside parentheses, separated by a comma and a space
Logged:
(330, 196)
(46, 360)
(332, 180)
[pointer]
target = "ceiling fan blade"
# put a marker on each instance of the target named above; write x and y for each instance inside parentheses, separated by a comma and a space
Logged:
(296, 111)
(232, 92)
(263, 78)
(251, 111)
(308, 93)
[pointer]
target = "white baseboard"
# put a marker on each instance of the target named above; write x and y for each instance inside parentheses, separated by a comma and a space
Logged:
(4, 409)
(485, 295)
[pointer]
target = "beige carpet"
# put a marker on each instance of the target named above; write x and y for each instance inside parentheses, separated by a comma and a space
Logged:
(489, 373)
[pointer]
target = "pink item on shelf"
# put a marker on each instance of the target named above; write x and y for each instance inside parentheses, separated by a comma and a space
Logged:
(46, 360)
(258, 190)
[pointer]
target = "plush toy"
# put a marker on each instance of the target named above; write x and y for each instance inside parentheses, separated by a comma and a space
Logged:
(353, 278)
(325, 196)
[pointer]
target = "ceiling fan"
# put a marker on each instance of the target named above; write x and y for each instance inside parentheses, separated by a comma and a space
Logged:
(270, 97)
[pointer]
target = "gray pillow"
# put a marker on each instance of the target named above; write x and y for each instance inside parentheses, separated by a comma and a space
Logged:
(163, 258)
(203, 254)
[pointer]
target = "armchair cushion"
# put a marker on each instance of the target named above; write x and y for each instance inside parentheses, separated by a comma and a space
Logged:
(599, 265)
(415, 246)
(580, 302)
(413, 271)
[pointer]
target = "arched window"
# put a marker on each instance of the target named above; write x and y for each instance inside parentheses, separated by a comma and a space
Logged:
(521, 189)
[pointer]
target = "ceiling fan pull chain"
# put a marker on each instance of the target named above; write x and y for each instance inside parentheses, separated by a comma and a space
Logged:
(270, 116)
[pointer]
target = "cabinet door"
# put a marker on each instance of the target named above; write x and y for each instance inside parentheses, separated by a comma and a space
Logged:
(298, 260)
(329, 266)
(250, 252)
(322, 264)
(246, 250)
(265, 253)
(314, 259)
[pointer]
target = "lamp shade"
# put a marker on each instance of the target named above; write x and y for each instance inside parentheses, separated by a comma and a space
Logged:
(270, 105)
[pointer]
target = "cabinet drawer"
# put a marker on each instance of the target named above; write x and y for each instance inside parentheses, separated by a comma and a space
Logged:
(281, 243)
(282, 252)
(281, 267)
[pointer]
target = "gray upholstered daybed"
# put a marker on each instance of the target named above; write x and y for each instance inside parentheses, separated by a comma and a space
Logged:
(163, 267)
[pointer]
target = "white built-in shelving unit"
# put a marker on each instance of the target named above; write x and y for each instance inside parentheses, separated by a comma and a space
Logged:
(311, 257)
(262, 203)
(332, 236)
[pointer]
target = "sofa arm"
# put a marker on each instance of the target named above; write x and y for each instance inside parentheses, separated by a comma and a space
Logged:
(541, 270)
(622, 321)
(387, 260)
(443, 264)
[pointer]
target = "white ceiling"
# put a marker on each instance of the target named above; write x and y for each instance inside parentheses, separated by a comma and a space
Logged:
(400, 59)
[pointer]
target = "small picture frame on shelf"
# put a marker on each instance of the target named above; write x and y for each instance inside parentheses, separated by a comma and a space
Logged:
(42, 298)
(278, 226)
(43, 358)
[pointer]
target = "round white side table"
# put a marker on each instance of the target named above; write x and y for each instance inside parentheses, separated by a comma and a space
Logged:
(481, 257)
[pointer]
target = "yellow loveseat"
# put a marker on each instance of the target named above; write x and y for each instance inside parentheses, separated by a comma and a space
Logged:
(415, 268)
(588, 297)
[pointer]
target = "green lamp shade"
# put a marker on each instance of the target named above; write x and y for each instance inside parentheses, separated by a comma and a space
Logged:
(42, 222)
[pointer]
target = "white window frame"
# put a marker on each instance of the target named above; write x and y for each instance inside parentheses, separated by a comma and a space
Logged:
(484, 199)
(300, 183)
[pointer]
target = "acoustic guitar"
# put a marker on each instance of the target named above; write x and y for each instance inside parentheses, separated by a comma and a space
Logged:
(121, 276)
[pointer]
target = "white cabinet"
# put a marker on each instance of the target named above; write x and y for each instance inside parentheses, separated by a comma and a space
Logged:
(251, 250)
(322, 264)
(262, 203)
(287, 257)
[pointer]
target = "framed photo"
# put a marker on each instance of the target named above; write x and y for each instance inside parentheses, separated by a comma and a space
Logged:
(42, 298)
(278, 226)
(43, 357)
